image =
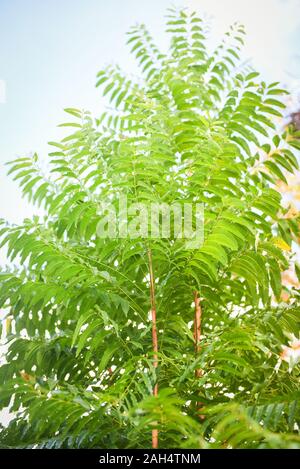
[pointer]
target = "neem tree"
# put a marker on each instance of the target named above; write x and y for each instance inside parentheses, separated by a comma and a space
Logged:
(96, 326)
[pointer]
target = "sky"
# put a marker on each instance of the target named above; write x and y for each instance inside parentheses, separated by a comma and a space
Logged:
(51, 50)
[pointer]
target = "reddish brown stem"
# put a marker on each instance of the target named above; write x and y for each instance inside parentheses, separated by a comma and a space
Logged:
(154, 337)
(197, 336)
(197, 327)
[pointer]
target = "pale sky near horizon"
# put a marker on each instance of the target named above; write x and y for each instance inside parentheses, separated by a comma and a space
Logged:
(51, 50)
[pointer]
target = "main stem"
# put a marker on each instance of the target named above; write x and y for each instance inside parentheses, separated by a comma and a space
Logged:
(197, 328)
(197, 335)
(154, 337)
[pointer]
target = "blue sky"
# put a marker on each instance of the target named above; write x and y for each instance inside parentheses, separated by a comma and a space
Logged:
(51, 50)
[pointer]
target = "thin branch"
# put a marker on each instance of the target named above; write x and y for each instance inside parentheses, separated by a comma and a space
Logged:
(154, 337)
(197, 336)
(197, 329)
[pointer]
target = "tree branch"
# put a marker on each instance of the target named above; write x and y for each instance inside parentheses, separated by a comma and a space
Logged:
(154, 337)
(197, 336)
(197, 328)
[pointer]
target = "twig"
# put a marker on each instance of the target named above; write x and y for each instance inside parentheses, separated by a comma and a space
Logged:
(154, 337)
(197, 329)
(197, 336)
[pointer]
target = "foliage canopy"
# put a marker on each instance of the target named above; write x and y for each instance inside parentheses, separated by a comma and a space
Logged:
(196, 126)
